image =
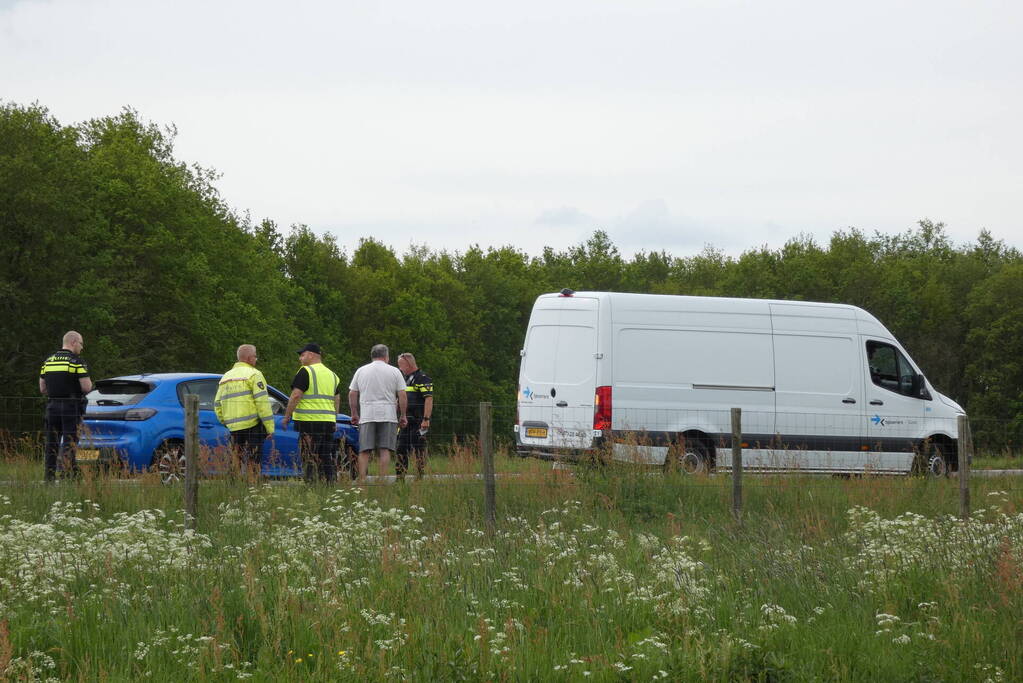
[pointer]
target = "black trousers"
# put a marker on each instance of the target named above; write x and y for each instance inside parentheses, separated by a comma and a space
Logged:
(410, 442)
(62, 418)
(248, 444)
(316, 445)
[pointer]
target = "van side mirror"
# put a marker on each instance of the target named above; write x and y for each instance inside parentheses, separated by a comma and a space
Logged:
(919, 387)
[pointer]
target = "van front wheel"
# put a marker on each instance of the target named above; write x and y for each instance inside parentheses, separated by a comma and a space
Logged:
(930, 460)
(688, 456)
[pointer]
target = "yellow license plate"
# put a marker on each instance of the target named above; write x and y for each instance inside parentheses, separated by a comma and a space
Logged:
(537, 432)
(87, 454)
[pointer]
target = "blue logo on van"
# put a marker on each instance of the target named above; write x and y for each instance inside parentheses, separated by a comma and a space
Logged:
(527, 393)
(878, 420)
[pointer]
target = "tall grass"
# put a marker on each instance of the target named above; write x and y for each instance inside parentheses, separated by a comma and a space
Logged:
(602, 574)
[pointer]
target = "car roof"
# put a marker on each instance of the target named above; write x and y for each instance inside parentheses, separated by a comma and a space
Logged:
(165, 376)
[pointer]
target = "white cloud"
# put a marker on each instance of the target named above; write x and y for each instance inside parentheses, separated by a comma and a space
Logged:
(565, 215)
(672, 124)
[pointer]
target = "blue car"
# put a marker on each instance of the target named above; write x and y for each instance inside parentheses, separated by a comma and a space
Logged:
(138, 421)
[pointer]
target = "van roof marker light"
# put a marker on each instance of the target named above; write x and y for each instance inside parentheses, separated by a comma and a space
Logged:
(567, 292)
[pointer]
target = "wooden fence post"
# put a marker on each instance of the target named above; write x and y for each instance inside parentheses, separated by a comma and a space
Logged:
(965, 453)
(487, 453)
(737, 463)
(191, 460)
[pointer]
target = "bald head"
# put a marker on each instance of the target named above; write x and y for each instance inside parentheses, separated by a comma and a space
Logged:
(73, 341)
(247, 354)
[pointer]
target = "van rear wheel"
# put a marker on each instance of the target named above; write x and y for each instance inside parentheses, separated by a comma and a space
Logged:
(688, 456)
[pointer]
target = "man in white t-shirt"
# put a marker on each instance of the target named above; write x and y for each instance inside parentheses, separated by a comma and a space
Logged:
(376, 396)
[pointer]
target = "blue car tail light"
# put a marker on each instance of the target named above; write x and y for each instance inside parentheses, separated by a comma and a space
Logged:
(139, 413)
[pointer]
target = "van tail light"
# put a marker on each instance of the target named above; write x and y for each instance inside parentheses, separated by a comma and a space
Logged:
(602, 408)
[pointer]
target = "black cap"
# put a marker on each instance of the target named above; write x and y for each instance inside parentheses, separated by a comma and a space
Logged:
(315, 348)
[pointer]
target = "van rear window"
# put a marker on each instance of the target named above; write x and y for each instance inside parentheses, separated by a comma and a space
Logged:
(118, 392)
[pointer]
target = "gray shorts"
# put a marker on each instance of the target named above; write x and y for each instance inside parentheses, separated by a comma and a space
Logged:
(374, 435)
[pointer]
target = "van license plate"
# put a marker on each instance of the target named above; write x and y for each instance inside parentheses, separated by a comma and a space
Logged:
(537, 432)
(87, 454)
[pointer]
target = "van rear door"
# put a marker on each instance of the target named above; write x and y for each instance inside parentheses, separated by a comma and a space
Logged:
(557, 380)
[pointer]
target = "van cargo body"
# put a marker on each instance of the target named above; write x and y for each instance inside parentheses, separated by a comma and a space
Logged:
(652, 379)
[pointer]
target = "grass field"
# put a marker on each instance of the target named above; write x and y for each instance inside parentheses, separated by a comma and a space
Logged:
(591, 575)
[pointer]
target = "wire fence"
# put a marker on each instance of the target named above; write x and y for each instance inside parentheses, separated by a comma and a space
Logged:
(452, 424)
(805, 449)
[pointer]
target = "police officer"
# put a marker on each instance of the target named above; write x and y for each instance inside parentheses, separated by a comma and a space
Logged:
(419, 390)
(314, 402)
(243, 406)
(64, 380)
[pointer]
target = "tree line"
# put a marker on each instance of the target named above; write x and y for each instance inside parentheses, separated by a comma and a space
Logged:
(106, 232)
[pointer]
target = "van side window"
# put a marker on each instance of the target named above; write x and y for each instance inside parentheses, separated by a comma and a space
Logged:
(891, 370)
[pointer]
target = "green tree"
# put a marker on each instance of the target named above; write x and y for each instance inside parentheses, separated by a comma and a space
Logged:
(995, 355)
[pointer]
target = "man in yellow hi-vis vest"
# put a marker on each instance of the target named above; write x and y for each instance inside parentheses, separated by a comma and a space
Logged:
(243, 406)
(314, 403)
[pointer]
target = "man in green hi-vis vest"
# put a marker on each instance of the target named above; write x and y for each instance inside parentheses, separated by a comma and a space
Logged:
(314, 403)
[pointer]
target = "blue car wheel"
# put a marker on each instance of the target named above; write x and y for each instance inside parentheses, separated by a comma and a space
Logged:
(169, 461)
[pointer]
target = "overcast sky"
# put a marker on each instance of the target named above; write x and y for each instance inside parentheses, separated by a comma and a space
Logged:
(671, 125)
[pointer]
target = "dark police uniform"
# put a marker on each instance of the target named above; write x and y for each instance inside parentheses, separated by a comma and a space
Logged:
(64, 409)
(418, 386)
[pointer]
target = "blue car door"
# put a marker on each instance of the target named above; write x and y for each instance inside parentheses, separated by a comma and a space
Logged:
(212, 434)
(280, 454)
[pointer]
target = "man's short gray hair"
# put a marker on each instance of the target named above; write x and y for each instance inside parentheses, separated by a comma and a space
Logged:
(407, 357)
(70, 337)
(379, 351)
(246, 350)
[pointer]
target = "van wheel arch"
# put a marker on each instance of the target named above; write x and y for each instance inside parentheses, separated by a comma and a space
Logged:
(690, 452)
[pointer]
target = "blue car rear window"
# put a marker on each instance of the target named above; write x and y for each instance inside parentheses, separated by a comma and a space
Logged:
(118, 392)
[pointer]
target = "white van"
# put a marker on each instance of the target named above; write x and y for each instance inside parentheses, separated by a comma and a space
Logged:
(652, 378)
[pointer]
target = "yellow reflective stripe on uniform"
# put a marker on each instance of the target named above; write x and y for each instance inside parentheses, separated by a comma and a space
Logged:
(310, 411)
(233, 420)
(236, 395)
